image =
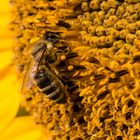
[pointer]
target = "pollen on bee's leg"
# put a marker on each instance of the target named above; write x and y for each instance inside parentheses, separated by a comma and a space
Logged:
(70, 67)
(62, 57)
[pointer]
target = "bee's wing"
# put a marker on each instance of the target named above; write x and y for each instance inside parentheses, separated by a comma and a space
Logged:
(27, 82)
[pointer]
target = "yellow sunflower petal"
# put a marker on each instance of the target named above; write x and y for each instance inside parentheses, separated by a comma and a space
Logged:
(9, 97)
(23, 128)
(5, 8)
(4, 26)
(5, 53)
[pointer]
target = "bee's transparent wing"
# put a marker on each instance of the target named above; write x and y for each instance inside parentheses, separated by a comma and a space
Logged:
(27, 82)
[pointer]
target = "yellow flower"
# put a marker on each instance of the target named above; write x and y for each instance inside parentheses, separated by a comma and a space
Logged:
(95, 54)
(11, 127)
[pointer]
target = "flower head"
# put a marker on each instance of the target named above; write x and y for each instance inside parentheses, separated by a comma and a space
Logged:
(94, 56)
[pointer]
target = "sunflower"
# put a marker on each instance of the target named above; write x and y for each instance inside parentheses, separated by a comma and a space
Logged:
(12, 127)
(92, 53)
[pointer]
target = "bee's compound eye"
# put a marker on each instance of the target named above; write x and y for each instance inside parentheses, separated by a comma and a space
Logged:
(49, 39)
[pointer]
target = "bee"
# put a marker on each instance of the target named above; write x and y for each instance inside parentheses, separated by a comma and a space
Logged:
(40, 74)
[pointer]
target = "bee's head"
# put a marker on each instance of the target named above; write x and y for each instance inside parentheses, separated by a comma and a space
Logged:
(52, 36)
